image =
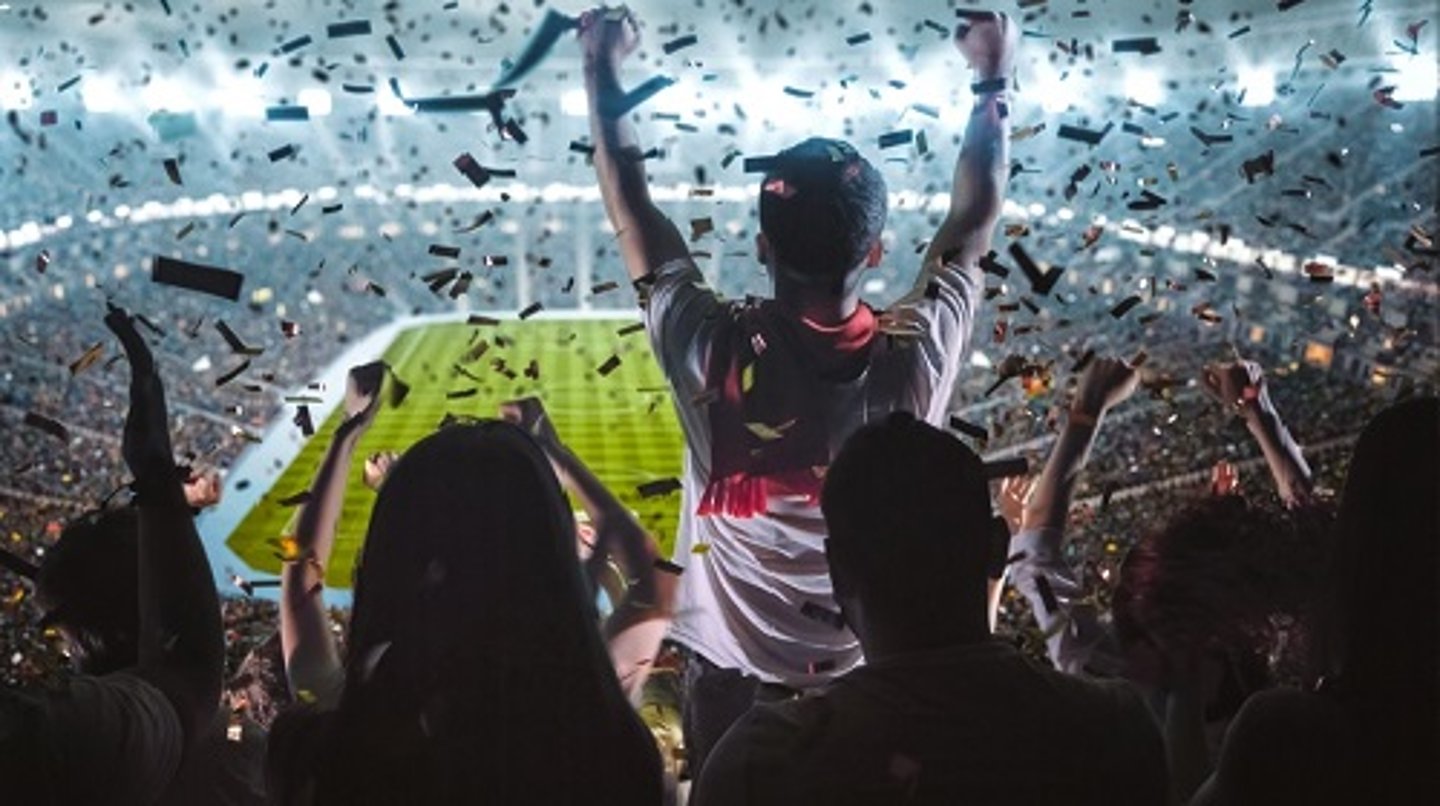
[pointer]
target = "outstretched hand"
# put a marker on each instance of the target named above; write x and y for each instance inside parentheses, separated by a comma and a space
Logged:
(987, 40)
(529, 413)
(203, 489)
(1014, 495)
(362, 395)
(607, 35)
(146, 444)
(1234, 384)
(1107, 382)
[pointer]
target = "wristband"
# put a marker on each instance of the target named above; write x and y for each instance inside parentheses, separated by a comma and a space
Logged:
(1081, 419)
(989, 86)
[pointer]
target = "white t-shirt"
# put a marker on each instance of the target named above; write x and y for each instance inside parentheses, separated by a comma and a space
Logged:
(967, 724)
(740, 602)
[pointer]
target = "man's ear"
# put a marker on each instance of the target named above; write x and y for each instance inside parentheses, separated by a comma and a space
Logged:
(875, 255)
(762, 248)
(997, 551)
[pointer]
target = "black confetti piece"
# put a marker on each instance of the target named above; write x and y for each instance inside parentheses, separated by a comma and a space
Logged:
(197, 277)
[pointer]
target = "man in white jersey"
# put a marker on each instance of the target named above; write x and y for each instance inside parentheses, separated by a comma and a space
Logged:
(768, 390)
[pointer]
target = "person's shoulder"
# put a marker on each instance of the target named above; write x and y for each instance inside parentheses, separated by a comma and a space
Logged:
(1282, 715)
(749, 764)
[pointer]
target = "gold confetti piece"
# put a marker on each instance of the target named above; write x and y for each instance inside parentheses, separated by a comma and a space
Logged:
(767, 433)
(289, 549)
(87, 360)
(700, 548)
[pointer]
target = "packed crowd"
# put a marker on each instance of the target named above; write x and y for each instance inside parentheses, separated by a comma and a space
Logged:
(1236, 640)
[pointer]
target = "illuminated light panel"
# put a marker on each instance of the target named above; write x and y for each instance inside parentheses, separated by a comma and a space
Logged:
(1144, 86)
(1258, 84)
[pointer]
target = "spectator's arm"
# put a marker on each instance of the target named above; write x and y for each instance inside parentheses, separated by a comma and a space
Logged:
(181, 650)
(312, 662)
(988, 42)
(1040, 571)
(1242, 385)
(642, 615)
(647, 238)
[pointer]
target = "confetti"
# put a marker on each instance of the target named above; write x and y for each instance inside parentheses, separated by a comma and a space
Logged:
(282, 113)
(197, 277)
(530, 310)
(1125, 305)
(1040, 282)
(649, 89)
(1082, 135)
(283, 152)
(969, 429)
(172, 170)
(679, 44)
(304, 422)
(1006, 468)
(232, 374)
(231, 338)
(546, 35)
(609, 366)
(52, 427)
(341, 30)
(1145, 46)
(899, 138)
(1211, 139)
(655, 489)
(824, 615)
(1047, 594)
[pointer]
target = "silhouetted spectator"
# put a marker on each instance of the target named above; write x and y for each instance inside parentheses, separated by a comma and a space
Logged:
(941, 712)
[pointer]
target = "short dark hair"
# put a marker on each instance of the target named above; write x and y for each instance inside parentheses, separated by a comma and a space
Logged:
(89, 583)
(908, 512)
(822, 208)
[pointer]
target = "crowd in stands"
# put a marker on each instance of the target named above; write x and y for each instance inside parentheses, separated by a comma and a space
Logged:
(1174, 602)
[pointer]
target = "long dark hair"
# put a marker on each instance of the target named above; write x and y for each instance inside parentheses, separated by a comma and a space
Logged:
(1378, 624)
(475, 670)
(1229, 578)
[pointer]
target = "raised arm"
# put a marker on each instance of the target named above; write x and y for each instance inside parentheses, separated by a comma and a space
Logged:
(642, 615)
(1241, 386)
(647, 238)
(1106, 383)
(1040, 571)
(181, 649)
(988, 41)
(312, 662)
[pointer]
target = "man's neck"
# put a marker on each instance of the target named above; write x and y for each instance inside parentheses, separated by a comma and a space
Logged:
(819, 308)
(891, 643)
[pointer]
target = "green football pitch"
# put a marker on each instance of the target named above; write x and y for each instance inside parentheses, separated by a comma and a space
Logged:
(621, 423)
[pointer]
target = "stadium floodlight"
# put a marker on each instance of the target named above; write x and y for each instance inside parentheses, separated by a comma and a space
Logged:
(167, 94)
(1144, 86)
(1415, 78)
(316, 101)
(390, 104)
(1055, 97)
(101, 94)
(575, 104)
(1258, 85)
(15, 91)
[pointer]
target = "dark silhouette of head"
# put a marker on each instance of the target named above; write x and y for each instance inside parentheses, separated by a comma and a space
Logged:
(1226, 580)
(475, 669)
(1379, 621)
(912, 545)
(88, 589)
(822, 210)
